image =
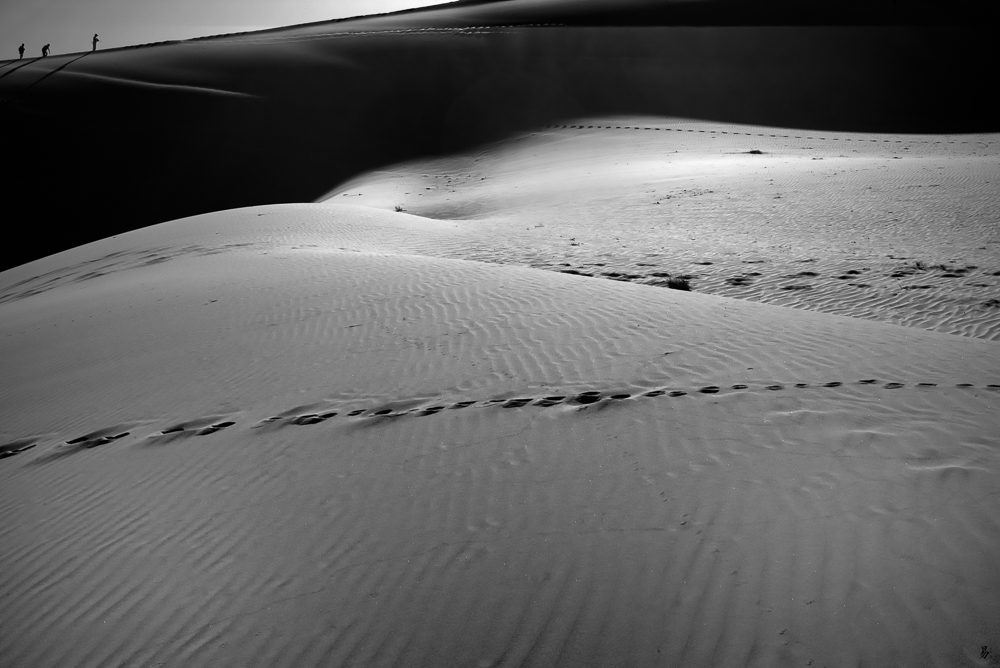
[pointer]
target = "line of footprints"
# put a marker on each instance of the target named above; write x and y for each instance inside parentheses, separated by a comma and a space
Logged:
(763, 134)
(582, 399)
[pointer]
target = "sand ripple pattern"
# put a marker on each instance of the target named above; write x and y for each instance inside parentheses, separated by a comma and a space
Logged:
(296, 441)
(760, 527)
(893, 228)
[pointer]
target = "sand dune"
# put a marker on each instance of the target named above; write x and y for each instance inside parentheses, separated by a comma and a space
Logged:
(724, 12)
(274, 435)
(308, 107)
(448, 415)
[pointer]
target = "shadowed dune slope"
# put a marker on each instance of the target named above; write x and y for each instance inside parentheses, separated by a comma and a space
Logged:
(272, 436)
(733, 12)
(150, 134)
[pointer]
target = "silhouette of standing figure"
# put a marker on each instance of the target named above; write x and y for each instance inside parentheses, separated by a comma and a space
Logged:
(45, 50)
(95, 41)
(20, 52)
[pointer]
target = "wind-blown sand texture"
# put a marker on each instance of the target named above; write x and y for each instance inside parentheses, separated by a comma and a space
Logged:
(897, 228)
(404, 467)
(336, 434)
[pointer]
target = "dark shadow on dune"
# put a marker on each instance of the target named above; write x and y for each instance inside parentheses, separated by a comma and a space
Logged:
(22, 64)
(746, 13)
(103, 154)
(45, 76)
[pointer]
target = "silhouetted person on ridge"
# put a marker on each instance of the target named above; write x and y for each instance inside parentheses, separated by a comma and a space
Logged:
(95, 41)
(45, 50)
(20, 52)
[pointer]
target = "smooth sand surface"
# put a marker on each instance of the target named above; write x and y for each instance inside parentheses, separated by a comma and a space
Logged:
(479, 431)
(275, 436)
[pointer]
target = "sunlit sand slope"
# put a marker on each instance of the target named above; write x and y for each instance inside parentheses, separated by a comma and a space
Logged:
(896, 228)
(273, 436)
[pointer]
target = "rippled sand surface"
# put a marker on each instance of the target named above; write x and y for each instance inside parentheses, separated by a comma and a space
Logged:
(281, 435)
(894, 228)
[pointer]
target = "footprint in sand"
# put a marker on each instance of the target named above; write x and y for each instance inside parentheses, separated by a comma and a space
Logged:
(312, 418)
(291, 417)
(16, 447)
(211, 429)
(194, 428)
(93, 440)
(518, 403)
(589, 397)
(545, 402)
(73, 446)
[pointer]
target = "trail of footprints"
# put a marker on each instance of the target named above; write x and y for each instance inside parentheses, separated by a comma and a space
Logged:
(580, 400)
(858, 140)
